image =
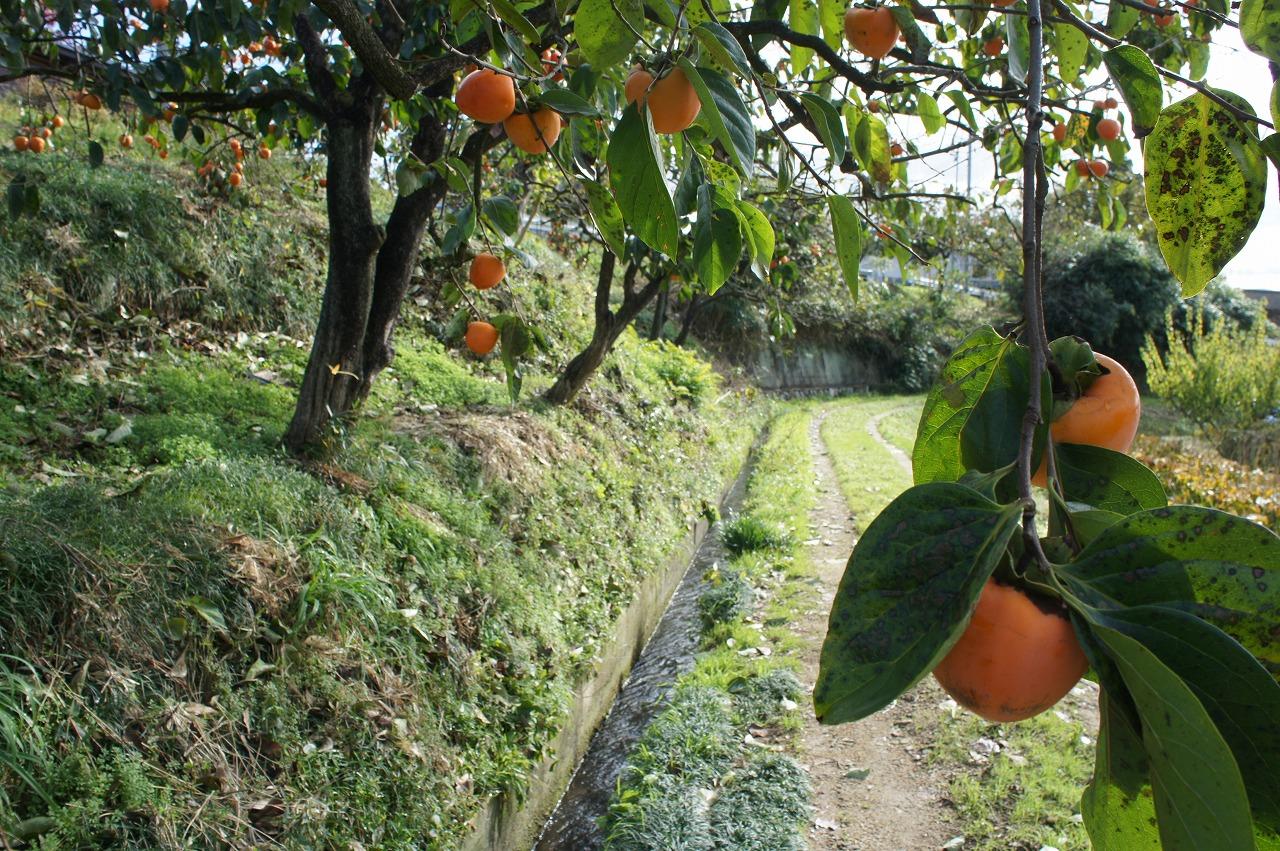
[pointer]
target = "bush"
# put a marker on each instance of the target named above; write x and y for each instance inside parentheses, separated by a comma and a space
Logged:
(1112, 291)
(1198, 476)
(760, 808)
(1220, 378)
(747, 534)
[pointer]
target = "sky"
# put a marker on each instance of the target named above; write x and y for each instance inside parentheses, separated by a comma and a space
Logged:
(1233, 67)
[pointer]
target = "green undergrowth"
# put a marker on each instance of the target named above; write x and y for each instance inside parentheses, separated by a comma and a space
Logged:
(708, 772)
(208, 644)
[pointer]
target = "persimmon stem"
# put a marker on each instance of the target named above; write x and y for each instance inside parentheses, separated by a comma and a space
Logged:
(1034, 190)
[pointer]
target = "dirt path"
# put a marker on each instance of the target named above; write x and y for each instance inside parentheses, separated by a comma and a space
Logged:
(871, 791)
(873, 429)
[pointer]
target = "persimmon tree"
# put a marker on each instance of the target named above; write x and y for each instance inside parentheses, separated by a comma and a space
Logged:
(666, 168)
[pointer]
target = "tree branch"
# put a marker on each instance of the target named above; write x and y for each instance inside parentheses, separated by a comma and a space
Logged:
(867, 83)
(366, 45)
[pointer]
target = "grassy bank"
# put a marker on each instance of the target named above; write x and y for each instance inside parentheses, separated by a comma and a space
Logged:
(209, 644)
(707, 773)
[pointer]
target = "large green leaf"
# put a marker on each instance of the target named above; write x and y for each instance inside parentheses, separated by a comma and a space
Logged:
(907, 594)
(1206, 179)
(760, 238)
(847, 229)
(725, 114)
(1139, 82)
(1260, 27)
(871, 144)
(1200, 798)
(717, 237)
(826, 121)
(831, 14)
(1019, 52)
(1109, 480)
(918, 43)
(1210, 563)
(1121, 18)
(605, 215)
(720, 44)
(635, 173)
(804, 19)
(1117, 806)
(1242, 699)
(929, 113)
(1070, 46)
(602, 33)
(974, 410)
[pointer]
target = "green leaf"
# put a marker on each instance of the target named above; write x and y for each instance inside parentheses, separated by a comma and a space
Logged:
(180, 127)
(847, 230)
(515, 341)
(1222, 568)
(16, 195)
(603, 35)
(760, 238)
(1206, 180)
(1019, 40)
(803, 19)
(929, 113)
(96, 154)
(208, 612)
(720, 44)
(917, 42)
(1139, 82)
(566, 102)
(973, 413)
(871, 143)
(1260, 27)
(502, 213)
(717, 237)
(1200, 798)
(930, 551)
(511, 15)
(1242, 699)
(831, 15)
(725, 113)
(1070, 46)
(1117, 804)
(826, 121)
(635, 173)
(1111, 481)
(458, 234)
(961, 101)
(1121, 18)
(606, 216)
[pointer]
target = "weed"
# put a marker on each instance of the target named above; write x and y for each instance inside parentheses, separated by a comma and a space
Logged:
(748, 534)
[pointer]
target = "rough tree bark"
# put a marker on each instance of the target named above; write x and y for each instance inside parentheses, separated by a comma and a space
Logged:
(690, 316)
(609, 325)
(660, 313)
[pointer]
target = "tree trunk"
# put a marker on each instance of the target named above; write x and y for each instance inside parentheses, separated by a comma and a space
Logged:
(690, 314)
(335, 368)
(660, 313)
(608, 328)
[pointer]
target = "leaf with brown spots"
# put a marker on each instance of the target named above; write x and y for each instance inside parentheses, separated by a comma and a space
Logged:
(907, 594)
(1220, 567)
(1206, 180)
(1260, 27)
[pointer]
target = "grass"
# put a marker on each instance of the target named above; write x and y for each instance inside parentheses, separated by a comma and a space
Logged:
(212, 645)
(691, 782)
(1027, 795)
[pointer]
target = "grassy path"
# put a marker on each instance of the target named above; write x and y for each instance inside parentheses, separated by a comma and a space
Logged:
(998, 786)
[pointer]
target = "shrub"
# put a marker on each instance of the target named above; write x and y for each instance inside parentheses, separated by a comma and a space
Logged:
(747, 534)
(758, 700)
(761, 806)
(1221, 378)
(1197, 475)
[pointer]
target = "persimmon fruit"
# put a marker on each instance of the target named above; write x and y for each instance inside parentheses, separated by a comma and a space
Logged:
(1111, 103)
(264, 153)
(1060, 132)
(126, 141)
(236, 178)
(871, 32)
(486, 96)
(896, 150)
(1099, 168)
(21, 143)
(159, 6)
(35, 145)
(673, 104)
(486, 271)
(1106, 415)
(1108, 129)
(58, 122)
(533, 132)
(993, 47)
(481, 337)
(1017, 657)
(1082, 168)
